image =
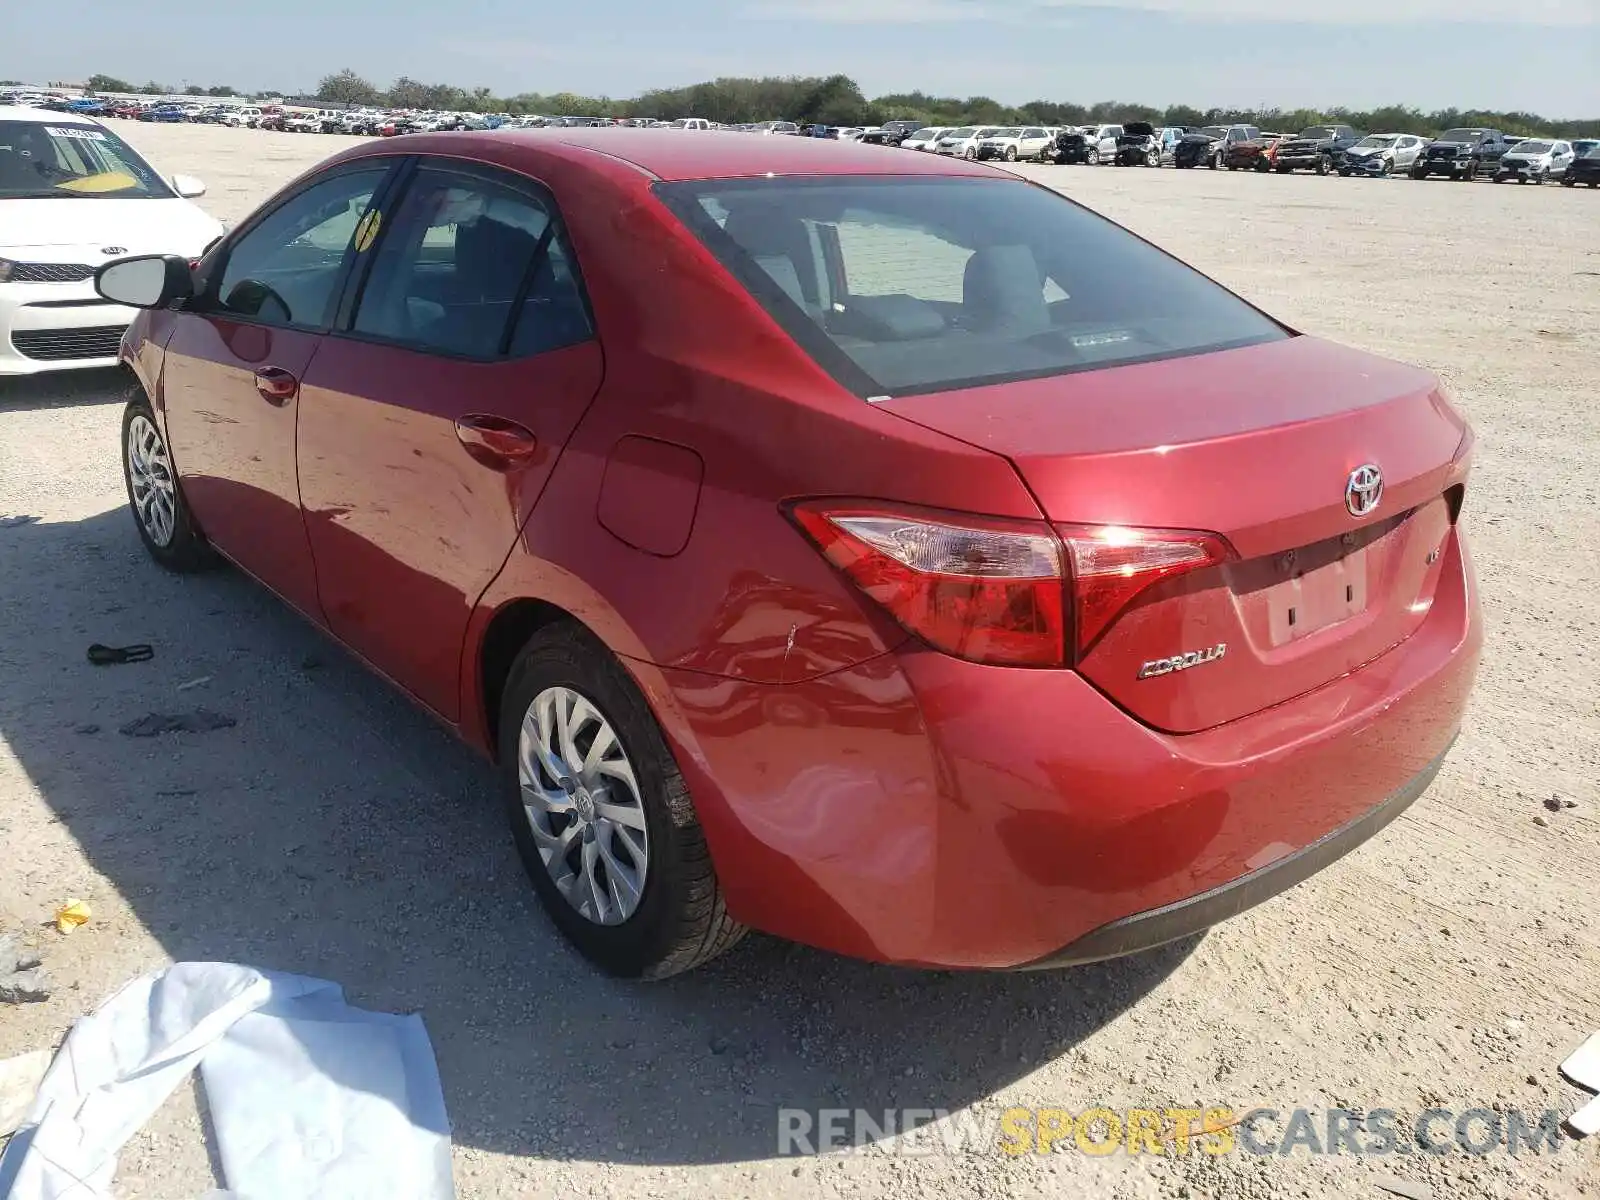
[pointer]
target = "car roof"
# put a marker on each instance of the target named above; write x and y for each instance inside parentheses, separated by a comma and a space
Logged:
(18, 112)
(673, 155)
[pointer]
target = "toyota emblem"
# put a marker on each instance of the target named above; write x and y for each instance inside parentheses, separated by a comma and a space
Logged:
(1363, 490)
(112, 251)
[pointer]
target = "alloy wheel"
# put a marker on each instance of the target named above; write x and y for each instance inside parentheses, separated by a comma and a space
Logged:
(151, 481)
(581, 799)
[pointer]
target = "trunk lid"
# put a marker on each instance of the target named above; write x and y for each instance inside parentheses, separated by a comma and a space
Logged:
(1258, 445)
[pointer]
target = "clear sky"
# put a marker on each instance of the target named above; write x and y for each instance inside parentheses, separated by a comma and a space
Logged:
(1538, 55)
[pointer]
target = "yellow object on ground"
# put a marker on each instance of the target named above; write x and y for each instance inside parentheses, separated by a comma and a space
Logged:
(72, 914)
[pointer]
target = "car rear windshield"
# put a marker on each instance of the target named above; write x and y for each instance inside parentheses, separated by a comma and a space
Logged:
(1460, 135)
(899, 285)
(44, 160)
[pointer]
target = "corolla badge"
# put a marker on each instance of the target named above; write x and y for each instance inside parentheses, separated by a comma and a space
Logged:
(111, 251)
(1182, 662)
(1363, 490)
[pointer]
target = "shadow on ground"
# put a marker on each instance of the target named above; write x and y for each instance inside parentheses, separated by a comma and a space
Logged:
(336, 831)
(61, 389)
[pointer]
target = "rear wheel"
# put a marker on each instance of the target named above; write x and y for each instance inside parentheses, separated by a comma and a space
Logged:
(155, 494)
(601, 815)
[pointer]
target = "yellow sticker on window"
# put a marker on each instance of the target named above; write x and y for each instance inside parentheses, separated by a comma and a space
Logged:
(367, 230)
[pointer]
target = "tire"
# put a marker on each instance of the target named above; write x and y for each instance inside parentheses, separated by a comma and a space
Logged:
(1419, 175)
(155, 494)
(1568, 183)
(1011, 154)
(1152, 158)
(1323, 165)
(1214, 162)
(1386, 169)
(1283, 169)
(679, 919)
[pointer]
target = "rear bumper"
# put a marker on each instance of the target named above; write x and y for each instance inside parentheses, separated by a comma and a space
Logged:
(923, 810)
(44, 325)
(1158, 926)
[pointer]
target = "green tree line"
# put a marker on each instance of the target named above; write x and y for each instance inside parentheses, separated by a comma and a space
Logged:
(838, 100)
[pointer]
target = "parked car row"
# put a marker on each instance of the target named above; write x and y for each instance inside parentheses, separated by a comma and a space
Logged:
(1461, 154)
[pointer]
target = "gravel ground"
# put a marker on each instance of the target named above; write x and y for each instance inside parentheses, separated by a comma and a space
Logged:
(336, 831)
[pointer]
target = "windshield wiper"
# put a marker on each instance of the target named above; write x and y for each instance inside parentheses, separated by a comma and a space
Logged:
(51, 194)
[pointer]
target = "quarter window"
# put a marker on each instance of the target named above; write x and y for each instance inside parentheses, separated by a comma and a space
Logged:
(285, 271)
(475, 268)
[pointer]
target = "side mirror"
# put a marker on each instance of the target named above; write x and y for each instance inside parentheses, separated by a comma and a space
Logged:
(147, 281)
(188, 186)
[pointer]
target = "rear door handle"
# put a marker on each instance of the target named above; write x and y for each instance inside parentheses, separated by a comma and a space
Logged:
(276, 385)
(496, 442)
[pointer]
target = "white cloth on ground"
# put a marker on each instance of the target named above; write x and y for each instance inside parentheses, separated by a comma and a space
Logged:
(308, 1096)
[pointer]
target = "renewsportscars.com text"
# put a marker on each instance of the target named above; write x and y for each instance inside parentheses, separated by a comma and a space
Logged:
(1213, 1131)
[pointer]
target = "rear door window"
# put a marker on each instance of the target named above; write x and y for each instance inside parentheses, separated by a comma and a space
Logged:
(901, 285)
(475, 267)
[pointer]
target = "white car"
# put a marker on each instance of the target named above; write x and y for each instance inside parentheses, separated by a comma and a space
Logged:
(924, 139)
(242, 118)
(1534, 160)
(963, 142)
(1016, 142)
(1382, 154)
(1102, 142)
(73, 196)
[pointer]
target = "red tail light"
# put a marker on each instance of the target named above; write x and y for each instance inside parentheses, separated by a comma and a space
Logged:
(994, 591)
(980, 589)
(1111, 565)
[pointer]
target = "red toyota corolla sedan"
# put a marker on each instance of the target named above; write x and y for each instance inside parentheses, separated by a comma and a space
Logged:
(870, 548)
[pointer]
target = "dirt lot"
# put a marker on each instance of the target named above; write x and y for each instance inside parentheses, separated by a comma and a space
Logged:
(335, 831)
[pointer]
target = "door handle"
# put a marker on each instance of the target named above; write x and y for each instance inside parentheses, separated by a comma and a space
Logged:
(496, 442)
(276, 385)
